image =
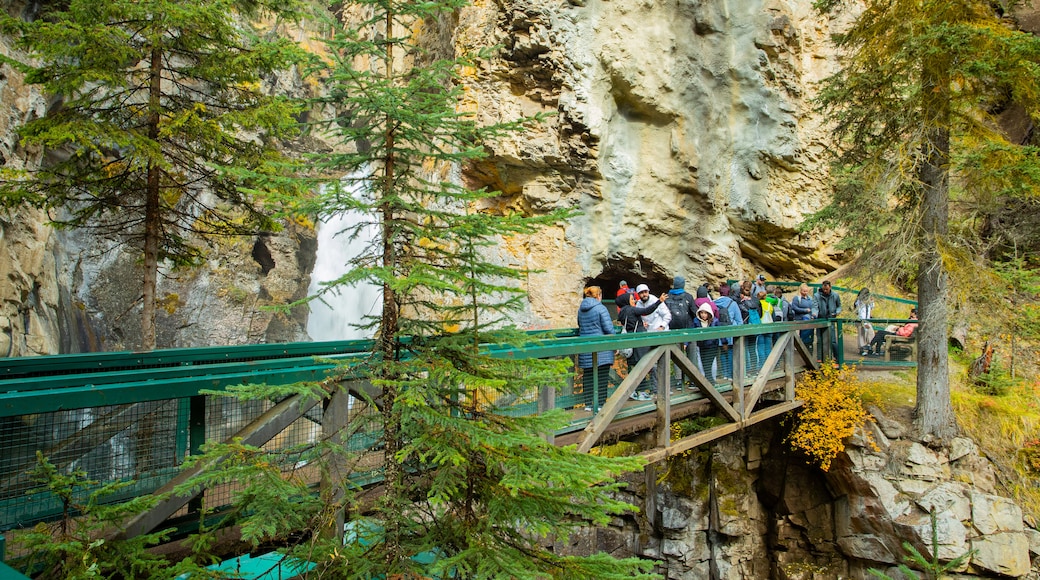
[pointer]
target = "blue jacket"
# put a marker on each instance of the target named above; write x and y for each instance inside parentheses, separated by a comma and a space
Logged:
(730, 305)
(801, 308)
(594, 320)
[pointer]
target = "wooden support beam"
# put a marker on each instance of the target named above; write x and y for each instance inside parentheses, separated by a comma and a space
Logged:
(763, 374)
(704, 385)
(260, 431)
(664, 396)
(708, 435)
(739, 373)
(807, 356)
(599, 423)
(72, 448)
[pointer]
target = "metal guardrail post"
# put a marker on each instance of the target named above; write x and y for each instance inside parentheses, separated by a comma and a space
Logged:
(839, 340)
(196, 438)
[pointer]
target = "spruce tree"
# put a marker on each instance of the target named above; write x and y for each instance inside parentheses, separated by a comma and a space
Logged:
(914, 107)
(471, 490)
(163, 128)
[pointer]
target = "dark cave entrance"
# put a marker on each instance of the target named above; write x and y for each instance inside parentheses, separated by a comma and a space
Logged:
(635, 271)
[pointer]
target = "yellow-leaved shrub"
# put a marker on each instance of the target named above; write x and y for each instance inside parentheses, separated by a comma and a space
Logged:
(832, 412)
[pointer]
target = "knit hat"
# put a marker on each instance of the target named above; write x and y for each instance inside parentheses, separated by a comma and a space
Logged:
(678, 282)
(702, 292)
(642, 288)
(724, 289)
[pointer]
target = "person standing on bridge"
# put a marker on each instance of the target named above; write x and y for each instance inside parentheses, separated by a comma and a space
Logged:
(801, 310)
(708, 348)
(594, 320)
(828, 305)
(630, 315)
(732, 317)
(864, 329)
(657, 320)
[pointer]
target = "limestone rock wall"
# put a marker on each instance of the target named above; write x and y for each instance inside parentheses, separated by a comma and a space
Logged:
(742, 507)
(682, 130)
(67, 291)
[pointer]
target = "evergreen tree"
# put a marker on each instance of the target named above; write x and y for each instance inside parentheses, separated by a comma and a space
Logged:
(470, 490)
(162, 129)
(914, 107)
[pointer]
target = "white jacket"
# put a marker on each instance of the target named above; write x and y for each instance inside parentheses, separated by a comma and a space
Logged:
(658, 319)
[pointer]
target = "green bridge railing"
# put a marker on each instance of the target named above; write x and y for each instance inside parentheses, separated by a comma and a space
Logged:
(137, 416)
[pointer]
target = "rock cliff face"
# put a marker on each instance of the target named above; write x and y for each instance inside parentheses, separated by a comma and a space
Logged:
(741, 508)
(681, 130)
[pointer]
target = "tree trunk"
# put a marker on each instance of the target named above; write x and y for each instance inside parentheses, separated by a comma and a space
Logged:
(396, 492)
(151, 211)
(934, 419)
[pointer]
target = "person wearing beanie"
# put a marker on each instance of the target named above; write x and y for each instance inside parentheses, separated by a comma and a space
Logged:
(623, 289)
(680, 305)
(623, 299)
(704, 298)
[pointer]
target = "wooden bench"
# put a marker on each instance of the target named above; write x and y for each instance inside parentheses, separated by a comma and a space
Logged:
(909, 341)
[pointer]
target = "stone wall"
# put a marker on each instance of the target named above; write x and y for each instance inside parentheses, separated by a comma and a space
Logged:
(743, 507)
(682, 130)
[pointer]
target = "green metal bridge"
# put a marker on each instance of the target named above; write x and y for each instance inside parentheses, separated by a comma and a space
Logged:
(126, 416)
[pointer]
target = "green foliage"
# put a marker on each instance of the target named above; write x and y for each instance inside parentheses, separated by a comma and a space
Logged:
(471, 488)
(681, 472)
(269, 500)
(997, 382)
(76, 547)
(162, 134)
(883, 107)
(932, 568)
(922, 162)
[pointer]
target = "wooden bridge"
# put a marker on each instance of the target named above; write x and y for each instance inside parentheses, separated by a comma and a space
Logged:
(137, 416)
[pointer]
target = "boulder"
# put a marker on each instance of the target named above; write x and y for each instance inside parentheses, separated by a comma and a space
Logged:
(1005, 553)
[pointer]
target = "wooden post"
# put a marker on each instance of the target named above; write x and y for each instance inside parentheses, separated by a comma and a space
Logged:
(789, 367)
(739, 368)
(334, 419)
(664, 399)
(546, 402)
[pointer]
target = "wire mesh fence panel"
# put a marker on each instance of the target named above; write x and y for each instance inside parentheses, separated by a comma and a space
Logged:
(140, 442)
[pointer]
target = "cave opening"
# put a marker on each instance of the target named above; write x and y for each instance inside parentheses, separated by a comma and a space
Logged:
(635, 271)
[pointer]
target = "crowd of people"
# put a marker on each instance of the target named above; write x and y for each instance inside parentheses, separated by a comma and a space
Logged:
(743, 302)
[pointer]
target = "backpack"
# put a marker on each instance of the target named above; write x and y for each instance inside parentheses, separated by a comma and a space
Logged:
(724, 317)
(753, 317)
(679, 306)
(767, 312)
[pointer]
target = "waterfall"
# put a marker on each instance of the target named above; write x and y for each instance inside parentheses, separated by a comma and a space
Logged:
(335, 315)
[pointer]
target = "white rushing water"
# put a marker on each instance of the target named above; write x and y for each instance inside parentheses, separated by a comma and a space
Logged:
(336, 315)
